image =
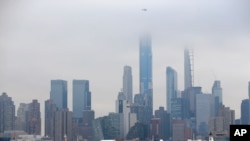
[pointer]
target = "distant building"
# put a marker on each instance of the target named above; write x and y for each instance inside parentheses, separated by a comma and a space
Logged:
(217, 94)
(59, 93)
(128, 119)
(203, 113)
(21, 117)
(177, 108)
(188, 79)
(245, 111)
(34, 118)
(81, 97)
(86, 128)
(7, 113)
(189, 101)
(219, 125)
(171, 87)
(138, 108)
(165, 123)
(128, 83)
(155, 128)
(146, 83)
(181, 132)
(97, 129)
(50, 109)
(63, 125)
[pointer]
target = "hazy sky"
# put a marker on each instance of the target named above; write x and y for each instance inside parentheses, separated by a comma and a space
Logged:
(94, 40)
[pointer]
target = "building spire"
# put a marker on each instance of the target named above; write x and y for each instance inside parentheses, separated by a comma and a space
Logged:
(188, 68)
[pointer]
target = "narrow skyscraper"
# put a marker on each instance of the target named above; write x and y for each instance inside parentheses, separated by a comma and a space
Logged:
(63, 125)
(171, 87)
(146, 85)
(128, 84)
(34, 118)
(217, 94)
(59, 93)
(81, 97)
(7, 113)
(188, 82)
(50, 109)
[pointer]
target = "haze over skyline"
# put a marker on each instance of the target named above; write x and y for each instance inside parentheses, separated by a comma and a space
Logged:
(45, 40)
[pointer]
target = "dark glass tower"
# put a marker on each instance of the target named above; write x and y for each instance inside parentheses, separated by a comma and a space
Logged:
(81, 97)
(128, 84)
(146, 85)
(171, 87)
(59, 93)
(188, 82)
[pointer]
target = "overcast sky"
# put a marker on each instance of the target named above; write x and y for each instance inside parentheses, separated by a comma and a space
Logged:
(94, 40)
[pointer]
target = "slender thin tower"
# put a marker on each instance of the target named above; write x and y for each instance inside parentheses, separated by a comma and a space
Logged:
(188, 68)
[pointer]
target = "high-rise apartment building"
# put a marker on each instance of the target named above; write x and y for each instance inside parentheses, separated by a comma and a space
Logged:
(245, 111)
(164, 124)
(50, 109)
(203, 113)
(7, 113)
(128, 83)
(217, 94)
(59, 93)
(228, 117)
(34, 118)
(21, 116)
(81, 97)
(146, 85)
(188, 79)
(181, 131)
(171, 87)
(128, 119)
(63, 125)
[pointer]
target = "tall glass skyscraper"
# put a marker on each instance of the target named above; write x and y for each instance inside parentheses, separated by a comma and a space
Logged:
(171, 87)
(128, 84)
(146, 85)
(59, 93)
(81, 97)
(217, 94)
(188, 82)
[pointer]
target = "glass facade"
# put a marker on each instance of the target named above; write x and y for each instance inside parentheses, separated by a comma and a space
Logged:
(59, 93)
(171, 87)
(81, 97)
(146, 86)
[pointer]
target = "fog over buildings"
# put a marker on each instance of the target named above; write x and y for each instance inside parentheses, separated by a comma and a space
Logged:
(42, 41)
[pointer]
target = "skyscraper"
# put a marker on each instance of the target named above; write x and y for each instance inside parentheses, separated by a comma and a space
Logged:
(50, 109)
(217, 94)
(171, 87)
(21, 116)
(245, 111)
(146, 85)
(81, 97)
(59, 93)
(128, 84)
(63, 125)
(188, 82)
(128, 119)
(165, 123)
(34, 118)
(7, 113)
(203, 113)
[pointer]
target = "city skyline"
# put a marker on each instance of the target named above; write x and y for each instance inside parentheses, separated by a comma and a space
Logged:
(29, 63)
